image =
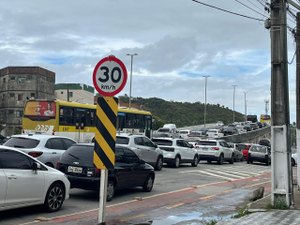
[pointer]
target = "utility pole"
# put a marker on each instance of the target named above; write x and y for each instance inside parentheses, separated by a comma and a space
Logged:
(245, 102)
(205, 99)
(233, 103)
(298, 95)
(280, 138)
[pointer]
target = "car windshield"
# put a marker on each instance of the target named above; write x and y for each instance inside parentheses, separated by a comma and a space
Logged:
(258, 149)
(163, 142)
(122, 140)
(80, 153)
(209, 143)
(20, 142)
(183, 132)
(164, 130)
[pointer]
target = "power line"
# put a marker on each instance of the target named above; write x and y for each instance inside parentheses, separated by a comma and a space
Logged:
(225, 10)
(262, 3)
(255, 5)
(243, 4)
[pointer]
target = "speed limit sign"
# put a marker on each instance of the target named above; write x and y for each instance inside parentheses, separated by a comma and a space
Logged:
(109, 76)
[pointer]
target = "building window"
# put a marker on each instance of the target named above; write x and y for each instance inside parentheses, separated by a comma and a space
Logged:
(21, 80)
(20, 97)
(71, 94)
(11, 112)
(61, 92)
(4, 80)
(12, 95)
(32, 95)
(13, 78)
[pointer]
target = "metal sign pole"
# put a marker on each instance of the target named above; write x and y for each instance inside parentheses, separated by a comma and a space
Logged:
(102, 195)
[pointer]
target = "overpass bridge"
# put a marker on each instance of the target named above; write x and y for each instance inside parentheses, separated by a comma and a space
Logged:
(248, 137)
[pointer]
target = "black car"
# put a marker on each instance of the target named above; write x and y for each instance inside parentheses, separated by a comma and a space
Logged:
(129, 170)
(230, 130)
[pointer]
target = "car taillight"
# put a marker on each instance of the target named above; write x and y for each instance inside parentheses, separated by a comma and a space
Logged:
(97, 172)
(58, 164)
(35, 154)
(215, 148)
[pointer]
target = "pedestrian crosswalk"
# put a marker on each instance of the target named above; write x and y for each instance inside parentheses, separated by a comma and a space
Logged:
(229, 172)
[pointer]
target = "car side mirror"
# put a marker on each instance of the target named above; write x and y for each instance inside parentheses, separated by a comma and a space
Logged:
(36, 166)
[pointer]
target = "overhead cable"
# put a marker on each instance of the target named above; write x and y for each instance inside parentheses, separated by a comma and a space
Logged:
(225, 10)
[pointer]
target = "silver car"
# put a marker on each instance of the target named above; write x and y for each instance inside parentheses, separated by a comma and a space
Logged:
(46, 148)
(144, 148)
(259, 153)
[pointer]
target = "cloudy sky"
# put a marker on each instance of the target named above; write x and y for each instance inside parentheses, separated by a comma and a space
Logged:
(177, 42)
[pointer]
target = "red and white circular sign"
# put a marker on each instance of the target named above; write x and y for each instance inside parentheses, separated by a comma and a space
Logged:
(109, 76)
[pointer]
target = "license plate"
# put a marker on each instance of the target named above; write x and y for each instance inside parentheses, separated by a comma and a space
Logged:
(205, 149)
(74, 169)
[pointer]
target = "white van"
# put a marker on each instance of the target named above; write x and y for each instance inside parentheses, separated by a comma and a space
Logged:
(214, 133)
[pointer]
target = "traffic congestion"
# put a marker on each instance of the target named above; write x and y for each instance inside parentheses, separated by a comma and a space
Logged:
(45, 166)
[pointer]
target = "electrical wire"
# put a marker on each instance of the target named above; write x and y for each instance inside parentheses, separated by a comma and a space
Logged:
(228, 11)
(262, 3)
(243, 4)
(256, 5)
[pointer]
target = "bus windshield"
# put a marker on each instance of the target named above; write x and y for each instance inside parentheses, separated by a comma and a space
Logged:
(40, 109)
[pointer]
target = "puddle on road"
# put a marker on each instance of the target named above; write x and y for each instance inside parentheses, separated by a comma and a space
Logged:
(191, 218)
(222, 208)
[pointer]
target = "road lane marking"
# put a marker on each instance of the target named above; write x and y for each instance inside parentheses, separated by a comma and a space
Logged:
(174, 206)
(227, 174)
(207, 197)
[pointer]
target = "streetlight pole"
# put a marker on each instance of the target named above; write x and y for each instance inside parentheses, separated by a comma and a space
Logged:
(245, 101)
(205, 99)
(233, 102)
(130, 84)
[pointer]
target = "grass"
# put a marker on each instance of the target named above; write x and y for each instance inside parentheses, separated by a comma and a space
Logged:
(279, 204)
(211, 222)
(241, 212)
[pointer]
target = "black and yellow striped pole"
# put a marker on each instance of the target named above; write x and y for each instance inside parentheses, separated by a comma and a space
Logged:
(105, 136)
(109, 78)
(105, 140)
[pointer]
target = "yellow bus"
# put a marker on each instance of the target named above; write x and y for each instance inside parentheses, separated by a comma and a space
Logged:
(77, 120)
(265, 119)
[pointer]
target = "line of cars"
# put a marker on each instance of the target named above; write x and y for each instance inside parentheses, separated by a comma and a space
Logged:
(136, 159)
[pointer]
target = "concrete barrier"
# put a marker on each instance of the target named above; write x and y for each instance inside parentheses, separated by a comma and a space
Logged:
(250, 136)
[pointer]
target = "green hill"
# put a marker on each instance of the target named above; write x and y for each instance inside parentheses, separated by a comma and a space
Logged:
(182, 113)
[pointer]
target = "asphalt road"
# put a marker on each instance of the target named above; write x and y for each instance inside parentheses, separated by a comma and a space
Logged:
(176, 192)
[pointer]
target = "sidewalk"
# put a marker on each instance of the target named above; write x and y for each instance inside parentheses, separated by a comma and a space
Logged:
(261, 214)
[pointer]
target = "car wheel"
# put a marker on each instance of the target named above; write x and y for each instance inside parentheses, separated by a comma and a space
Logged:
(110, 190)
(221, 159)
(54, 197)
(148, 184)
(293, 162)
(177, 161)
(231, 161)
(159, 163)
(195, 161)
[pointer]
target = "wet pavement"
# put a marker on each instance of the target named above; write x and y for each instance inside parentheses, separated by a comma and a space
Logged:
(192, 206)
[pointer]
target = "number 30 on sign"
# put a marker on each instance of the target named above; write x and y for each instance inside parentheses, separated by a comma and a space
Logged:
(109, 76)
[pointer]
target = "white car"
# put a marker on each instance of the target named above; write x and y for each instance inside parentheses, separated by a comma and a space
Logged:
(177, 151)
(143, 147)
(215, 150)
(184, 133)
(25, 181)
(214, 133)
(46, 148)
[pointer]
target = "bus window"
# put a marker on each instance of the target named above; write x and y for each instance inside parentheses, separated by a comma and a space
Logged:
(66, 116)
